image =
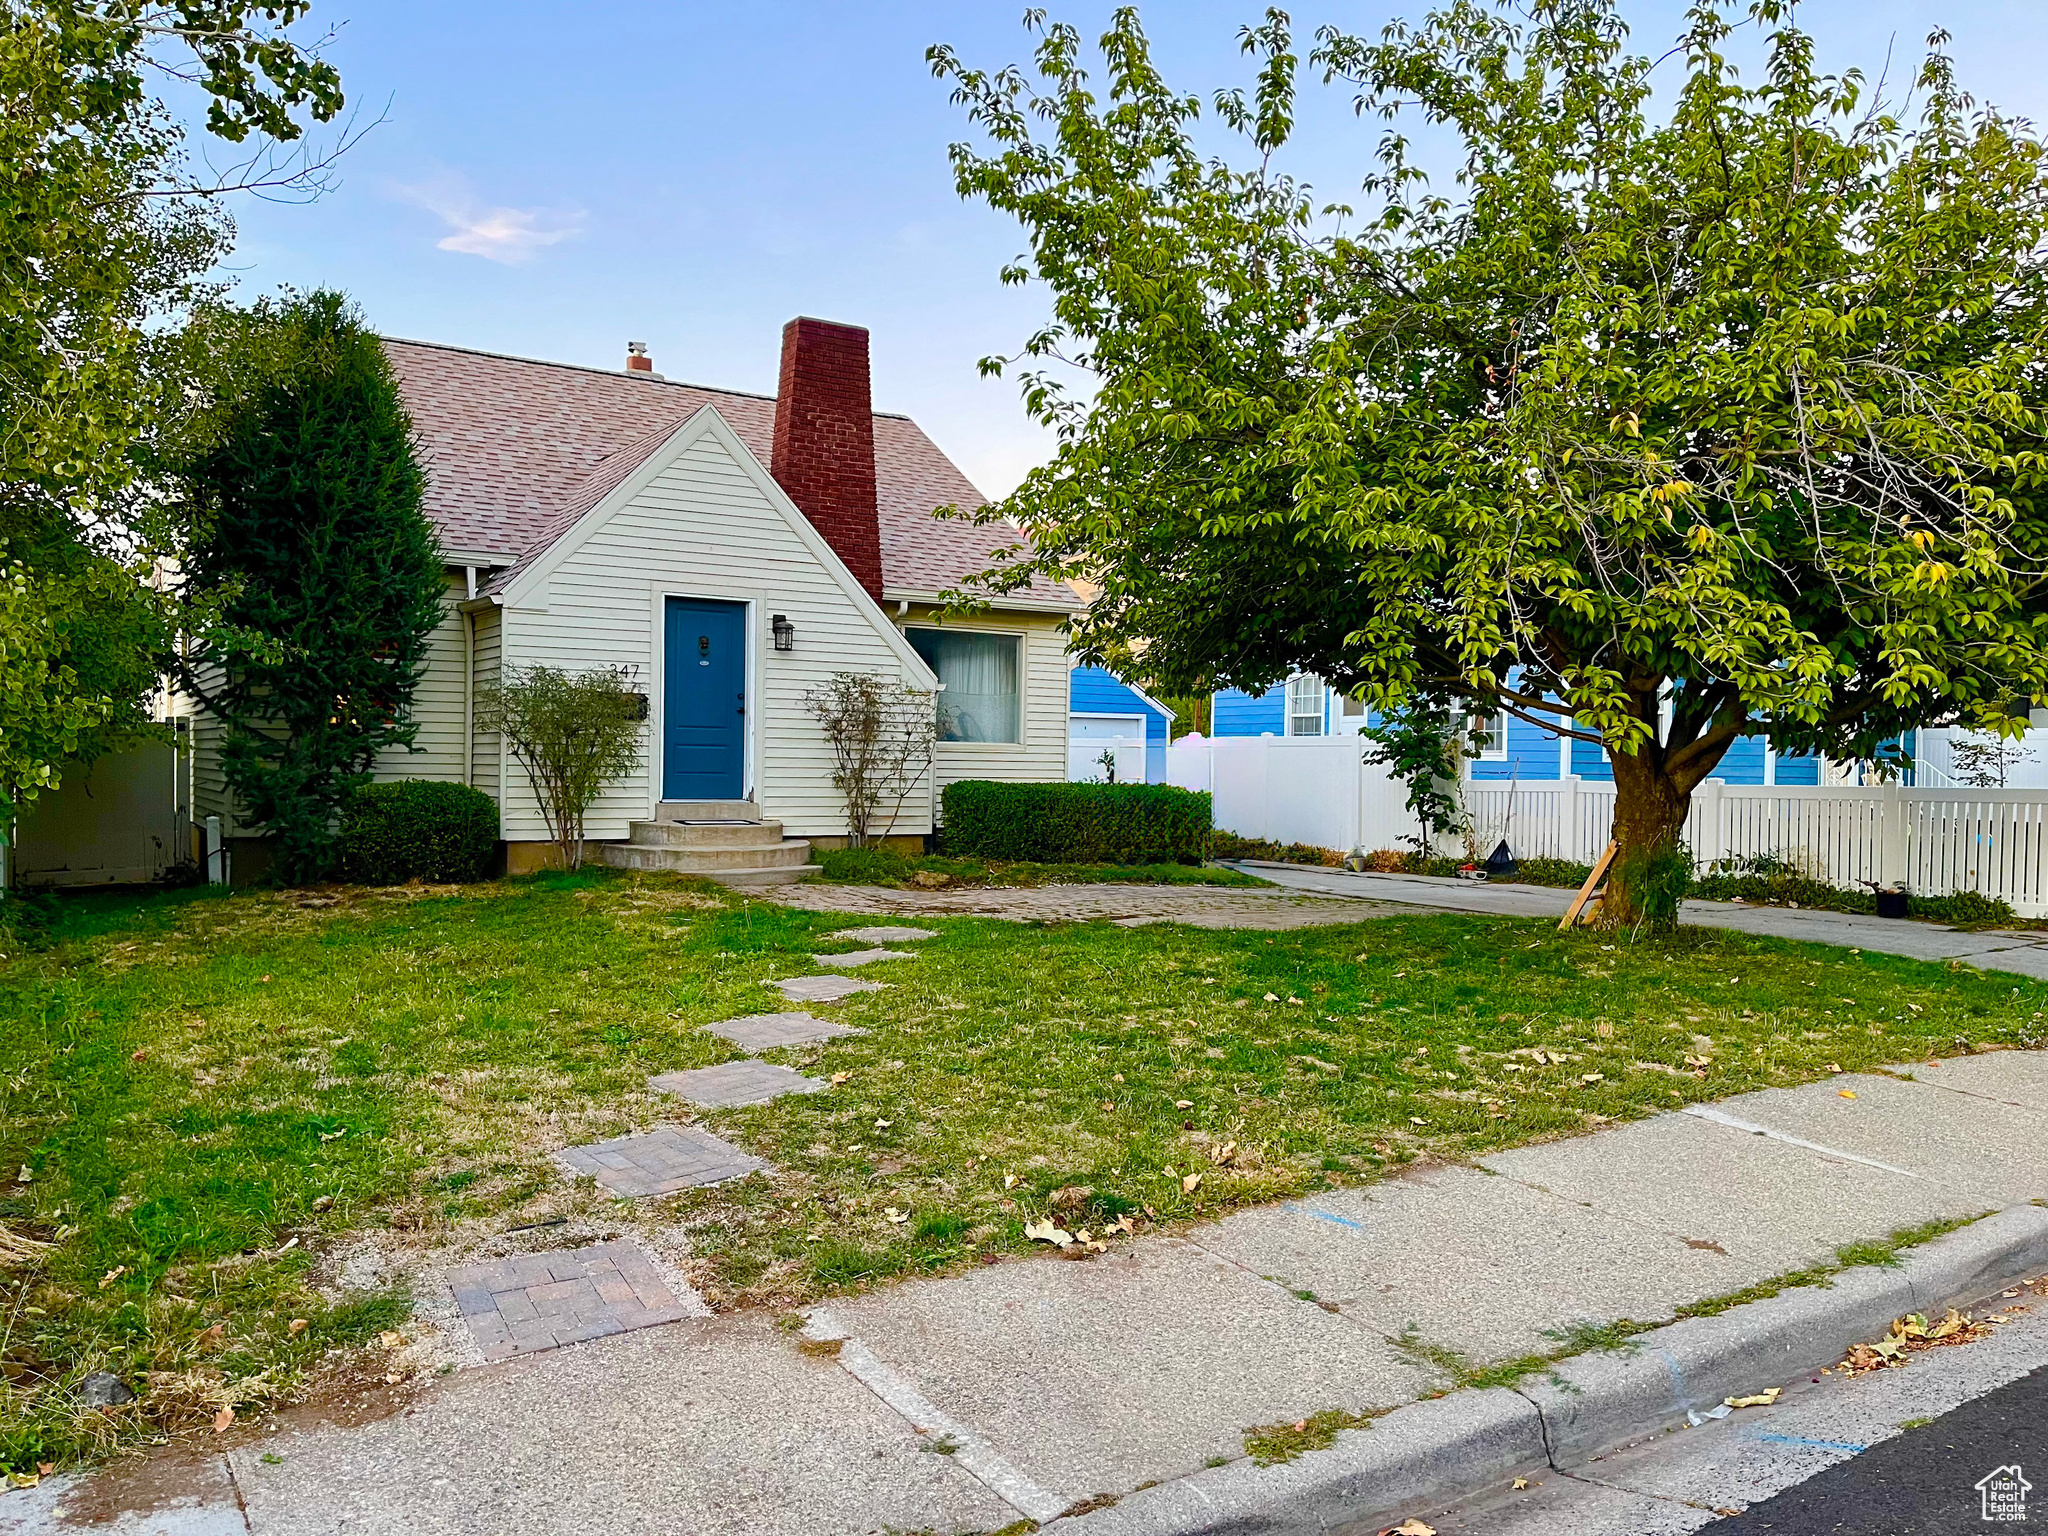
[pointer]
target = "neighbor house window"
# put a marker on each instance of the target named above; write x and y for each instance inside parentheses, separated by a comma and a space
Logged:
(979, 701)
(1305, 705)
(1487, 736)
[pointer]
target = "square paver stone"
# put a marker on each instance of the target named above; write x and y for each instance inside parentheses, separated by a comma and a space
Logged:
(537, 1301)
(854, 957)
(823, 989)
(659, 1162)
(769, 1031)
(883, 935)
(734, 1082)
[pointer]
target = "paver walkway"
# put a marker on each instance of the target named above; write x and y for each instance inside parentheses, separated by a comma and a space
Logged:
(1045, 1382)
(1199, 906)
(2023, 951)
(659, 1162)
(539, 1301)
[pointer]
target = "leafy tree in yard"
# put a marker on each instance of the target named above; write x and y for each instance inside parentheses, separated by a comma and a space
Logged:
(572, 734)
(1671, 422)
(310, 540)
(104, 235)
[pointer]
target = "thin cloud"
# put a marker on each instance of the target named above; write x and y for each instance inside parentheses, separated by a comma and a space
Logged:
(504, 235)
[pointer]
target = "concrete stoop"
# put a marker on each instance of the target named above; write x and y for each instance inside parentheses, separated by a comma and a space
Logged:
(722, 840)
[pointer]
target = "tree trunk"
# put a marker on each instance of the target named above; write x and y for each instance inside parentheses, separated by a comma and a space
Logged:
(1650, 807)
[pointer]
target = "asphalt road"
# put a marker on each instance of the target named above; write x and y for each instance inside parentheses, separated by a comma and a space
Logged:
(1923, 1483)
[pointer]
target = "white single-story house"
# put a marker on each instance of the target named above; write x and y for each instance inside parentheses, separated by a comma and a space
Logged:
(735, 550)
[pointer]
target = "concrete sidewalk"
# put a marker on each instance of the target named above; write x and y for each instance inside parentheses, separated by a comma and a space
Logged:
(1024, 1389)
(1991, 949)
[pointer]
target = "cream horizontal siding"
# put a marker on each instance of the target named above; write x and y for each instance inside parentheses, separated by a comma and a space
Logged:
(1040, 757)
(483, 749)
(437, 705)
(704, 528)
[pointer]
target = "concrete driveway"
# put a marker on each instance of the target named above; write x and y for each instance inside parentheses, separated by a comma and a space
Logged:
(1989, 949)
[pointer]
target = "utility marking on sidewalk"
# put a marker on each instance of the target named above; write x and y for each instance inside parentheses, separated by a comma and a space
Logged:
(974, 1453)
(1737, 1123)
(1824, 1445)
(1330, 1216)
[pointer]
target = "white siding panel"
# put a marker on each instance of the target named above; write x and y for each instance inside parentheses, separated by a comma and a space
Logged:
(437, 706)
(704, 528)
(483, 764)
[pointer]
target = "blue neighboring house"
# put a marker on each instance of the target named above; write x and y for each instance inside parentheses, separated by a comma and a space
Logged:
(1516, 749)
(1099, 703)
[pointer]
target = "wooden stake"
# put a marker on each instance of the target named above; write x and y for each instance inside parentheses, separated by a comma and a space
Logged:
(1590, 889)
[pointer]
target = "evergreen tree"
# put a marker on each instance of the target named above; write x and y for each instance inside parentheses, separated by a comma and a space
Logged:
(318, 570)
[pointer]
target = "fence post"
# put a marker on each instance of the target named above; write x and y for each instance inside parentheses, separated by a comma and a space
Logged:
(1568, 817)
(1712, 842)
(1892, 853)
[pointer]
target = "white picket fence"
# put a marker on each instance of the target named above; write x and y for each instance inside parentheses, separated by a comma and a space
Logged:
(1932, 841)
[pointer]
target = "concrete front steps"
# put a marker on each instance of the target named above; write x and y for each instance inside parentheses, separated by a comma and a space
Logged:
(722, 840)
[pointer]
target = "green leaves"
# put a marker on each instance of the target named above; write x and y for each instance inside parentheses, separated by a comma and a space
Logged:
(1667, 423)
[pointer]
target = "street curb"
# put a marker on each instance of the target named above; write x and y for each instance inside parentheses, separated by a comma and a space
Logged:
(1433, 1452)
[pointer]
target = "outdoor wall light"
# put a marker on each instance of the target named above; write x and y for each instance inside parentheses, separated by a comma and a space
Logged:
(784, 632)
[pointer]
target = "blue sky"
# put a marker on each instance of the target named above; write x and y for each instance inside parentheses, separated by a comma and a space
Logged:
(554, 180)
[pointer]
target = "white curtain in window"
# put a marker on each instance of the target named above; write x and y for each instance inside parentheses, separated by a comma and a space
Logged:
(980, 676)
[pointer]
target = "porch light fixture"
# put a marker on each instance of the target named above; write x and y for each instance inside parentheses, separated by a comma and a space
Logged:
(783, 631)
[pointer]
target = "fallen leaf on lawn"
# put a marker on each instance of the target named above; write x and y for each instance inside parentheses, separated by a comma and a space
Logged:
(883, 1125)
(26, 1176)
(1762, 1399)
(1116, 1077)
(390, 1338)
(1604, 1030)
(112, 1275)
(211, 1338)
(1520, 1483)
(1593, 1077)
(1183, 1103)
(1834, 1066)
(334, 1135)
(324, 1203)
(295, 1327)
(1301, 1426)
(1189, 1184)
(839, 1077)
(45, 1468)
(1009, 1181)
(1296, 1001)
(289, 1245)
(1223, 1154)
(22, 1479)
(223, 1419)
(1417, 1120)
(1272, 997)
(1046, 1232)
(1847, 1093)
(895, 1216)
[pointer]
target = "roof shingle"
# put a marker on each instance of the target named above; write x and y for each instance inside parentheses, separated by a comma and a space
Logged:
(517, 450)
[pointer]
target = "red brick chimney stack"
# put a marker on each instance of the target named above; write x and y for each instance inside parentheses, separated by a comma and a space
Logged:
(637, 360)
(825, 441)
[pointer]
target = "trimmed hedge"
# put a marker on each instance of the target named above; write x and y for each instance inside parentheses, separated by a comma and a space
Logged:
(418, 829)
(1077, 823)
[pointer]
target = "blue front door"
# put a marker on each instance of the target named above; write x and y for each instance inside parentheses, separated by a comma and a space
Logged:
(704, 701)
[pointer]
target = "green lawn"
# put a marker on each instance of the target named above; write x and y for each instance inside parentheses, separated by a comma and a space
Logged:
(215, 1097)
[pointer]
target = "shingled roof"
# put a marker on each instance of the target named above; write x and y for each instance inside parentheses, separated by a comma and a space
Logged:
(517, 450)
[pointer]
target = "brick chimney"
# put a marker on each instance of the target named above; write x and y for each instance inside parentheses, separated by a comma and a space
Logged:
(825, 441)
(637, 360)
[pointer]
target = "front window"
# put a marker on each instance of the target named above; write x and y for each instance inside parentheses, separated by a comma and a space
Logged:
(1305, 705)
(979, 673)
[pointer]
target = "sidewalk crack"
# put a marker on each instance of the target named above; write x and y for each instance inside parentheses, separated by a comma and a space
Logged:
(1644, 1493)
(227, 1464)
(1543, 1429)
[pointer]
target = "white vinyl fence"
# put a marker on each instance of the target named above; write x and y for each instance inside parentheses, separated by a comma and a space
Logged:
(1931, 841)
